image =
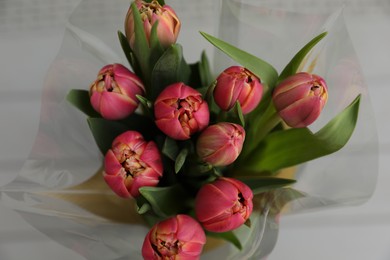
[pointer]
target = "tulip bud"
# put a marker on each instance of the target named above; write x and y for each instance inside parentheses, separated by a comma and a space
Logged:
(168, 26)
(132, 163)
(238, 84)
(300, 98)
(113, 94)
(220, 144)
(223, 205)
(180, 111)
(179, 237)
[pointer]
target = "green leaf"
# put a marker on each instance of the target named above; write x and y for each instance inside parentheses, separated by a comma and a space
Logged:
(169, 69)
(170, 148)
(294, 64)
(125, 47)
(144, 208)
(80, 99)
(180, 159)
(166, 201)
(105, 131)
(141, 47)
(205, 75)
(228, 236)
(238, 114)
(294, 146)
(155, 46)
(263, 184)
(146, 105)
(260, 68)
(161, 2)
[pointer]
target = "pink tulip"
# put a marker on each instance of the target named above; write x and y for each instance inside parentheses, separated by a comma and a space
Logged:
(300, 98)
(132, 163)
(113, 94)
(180, 111)
(238, 84)
(223, 205)
(168, 26)
(177, 238)
(220, 144)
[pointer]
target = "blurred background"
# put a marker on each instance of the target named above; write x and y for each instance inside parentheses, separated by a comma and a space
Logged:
(31, 34)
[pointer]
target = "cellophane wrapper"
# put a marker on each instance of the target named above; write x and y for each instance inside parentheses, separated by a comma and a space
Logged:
(54, 191)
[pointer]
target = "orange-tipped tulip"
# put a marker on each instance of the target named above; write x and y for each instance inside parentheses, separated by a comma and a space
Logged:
(238, 84)
(180, 111)
(223, 205)
(168, 26)
(132, 163)
(177, 238)
(300, 98)
(220, 144)
(113, 94)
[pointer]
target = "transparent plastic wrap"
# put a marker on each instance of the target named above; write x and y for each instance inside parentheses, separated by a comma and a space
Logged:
(60, 191)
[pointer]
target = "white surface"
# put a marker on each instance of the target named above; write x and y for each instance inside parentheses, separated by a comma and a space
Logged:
(30, 36)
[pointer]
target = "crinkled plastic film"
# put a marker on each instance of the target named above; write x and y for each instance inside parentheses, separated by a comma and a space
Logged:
(59, 190)
(275, 31)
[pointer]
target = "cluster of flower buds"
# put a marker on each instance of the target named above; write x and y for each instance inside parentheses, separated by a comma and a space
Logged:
(181, 113)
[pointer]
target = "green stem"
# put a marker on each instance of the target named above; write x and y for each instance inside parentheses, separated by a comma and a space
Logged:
(259, 131)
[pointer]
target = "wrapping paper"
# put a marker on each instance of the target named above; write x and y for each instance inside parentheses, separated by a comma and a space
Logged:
(59, 189)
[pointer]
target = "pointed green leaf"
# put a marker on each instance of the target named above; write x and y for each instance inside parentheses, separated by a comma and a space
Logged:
(141, 47)
(248, 223)
(294, 64)
(166, 201)
(228, 236)
(297, 145)
(263, 184)
(125, 47)
(260, 68)
(80, 99)
(170, 148)
(144, 208)
(155, 46)
(205, 75)
(105, 131)
(146, 105)
(129, 53)
(238, 114)
(169, 69)
(180, 159)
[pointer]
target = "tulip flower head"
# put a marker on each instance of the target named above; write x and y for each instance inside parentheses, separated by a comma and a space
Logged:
(132, 163)
(179, 237)
(223, 205)
(300, 98)
(180, 111)
(238, 84)
(220, 144)
(113, 94)
(168, 26)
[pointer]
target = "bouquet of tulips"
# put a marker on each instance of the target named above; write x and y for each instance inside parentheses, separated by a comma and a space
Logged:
(195, 150)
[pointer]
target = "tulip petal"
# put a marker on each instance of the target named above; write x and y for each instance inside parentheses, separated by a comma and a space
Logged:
(111, 164)
(116, 183)
(114, 106)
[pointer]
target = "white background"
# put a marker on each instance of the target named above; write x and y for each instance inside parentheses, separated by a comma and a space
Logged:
(31, 33)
